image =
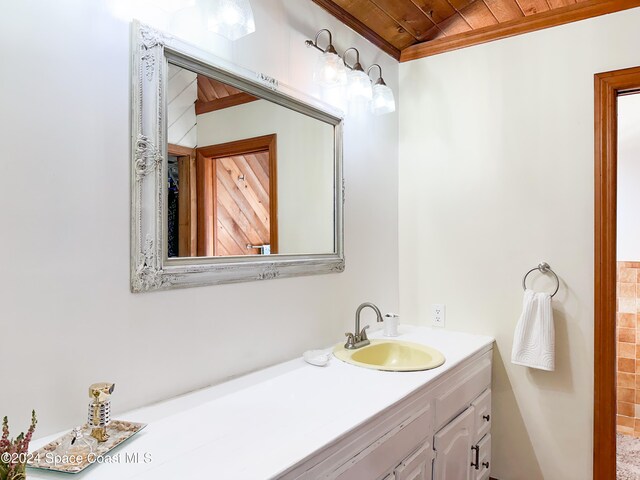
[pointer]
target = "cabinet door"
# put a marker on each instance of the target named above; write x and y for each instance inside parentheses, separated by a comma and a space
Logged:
(453, 445)
(482, 404)
(417, 466)
(484, 464)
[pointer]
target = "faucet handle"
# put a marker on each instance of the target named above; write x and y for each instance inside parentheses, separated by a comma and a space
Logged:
(351, 340)
(363, 333)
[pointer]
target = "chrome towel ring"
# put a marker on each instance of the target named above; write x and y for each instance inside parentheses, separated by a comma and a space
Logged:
(542, 268)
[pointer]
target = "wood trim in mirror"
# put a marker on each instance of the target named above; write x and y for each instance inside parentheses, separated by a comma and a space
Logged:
(187, 200)
(207, 186)
(222, 103)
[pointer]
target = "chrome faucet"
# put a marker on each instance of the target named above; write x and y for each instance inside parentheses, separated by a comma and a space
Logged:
(359, 338)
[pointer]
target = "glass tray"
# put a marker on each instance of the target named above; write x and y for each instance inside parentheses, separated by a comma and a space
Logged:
(50, 457)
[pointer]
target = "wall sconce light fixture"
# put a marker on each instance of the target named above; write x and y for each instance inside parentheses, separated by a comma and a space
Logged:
(358, 83)
(232, 19)
(382, 100)
(329, 70)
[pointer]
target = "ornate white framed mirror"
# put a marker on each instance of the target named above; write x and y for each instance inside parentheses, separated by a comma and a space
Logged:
(235, 177)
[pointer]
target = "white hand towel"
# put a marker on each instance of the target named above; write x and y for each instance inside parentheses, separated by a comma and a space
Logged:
(534, 338)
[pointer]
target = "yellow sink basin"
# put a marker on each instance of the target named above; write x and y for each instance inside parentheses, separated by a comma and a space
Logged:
(392, 356)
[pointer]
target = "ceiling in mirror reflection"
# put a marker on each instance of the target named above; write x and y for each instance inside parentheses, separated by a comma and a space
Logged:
(245, 176)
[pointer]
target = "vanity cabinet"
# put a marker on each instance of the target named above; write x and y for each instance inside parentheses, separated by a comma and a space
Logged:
(463, 446)
(440, 432)
(294, 421)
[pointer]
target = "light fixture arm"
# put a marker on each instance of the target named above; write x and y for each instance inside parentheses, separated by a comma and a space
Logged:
(380, 80)
(356, 66)
(314, 43)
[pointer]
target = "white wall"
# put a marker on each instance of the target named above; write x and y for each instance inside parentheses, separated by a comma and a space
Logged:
(182, 93)
(305, 166)
(629, 178)
(496, 175)
(67, 318)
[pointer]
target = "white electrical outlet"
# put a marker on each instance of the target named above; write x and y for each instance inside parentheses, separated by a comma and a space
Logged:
(438, 317)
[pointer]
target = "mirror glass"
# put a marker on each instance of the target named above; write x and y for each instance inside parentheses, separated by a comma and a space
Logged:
(245, 175)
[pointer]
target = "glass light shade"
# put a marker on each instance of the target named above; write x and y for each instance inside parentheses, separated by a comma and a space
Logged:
(382, 101)
(359, 86)
(231, 18)
(329, 70)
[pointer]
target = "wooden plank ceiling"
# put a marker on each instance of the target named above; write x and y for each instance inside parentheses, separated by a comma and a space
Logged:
(215, 95)
(410, 29)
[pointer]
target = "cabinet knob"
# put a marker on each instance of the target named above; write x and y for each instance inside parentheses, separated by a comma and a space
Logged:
(486, 417)
(485, 464)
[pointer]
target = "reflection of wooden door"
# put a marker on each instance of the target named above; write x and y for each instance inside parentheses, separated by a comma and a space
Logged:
(237, 204)
(243, 203)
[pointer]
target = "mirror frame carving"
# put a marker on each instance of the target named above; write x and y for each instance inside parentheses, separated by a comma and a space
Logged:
(151, 269)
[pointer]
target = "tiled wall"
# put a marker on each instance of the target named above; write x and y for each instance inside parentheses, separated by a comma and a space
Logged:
(628, 348)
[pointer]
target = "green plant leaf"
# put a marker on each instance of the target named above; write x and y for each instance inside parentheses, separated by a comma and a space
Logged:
(4, 471)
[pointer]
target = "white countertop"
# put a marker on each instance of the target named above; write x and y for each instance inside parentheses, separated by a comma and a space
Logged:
(257, 426)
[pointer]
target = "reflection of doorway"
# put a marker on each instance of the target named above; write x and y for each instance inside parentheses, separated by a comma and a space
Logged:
(608, 87)
(237, 197)
(182, 233)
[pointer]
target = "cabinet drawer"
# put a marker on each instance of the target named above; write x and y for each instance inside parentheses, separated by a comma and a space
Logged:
(418, 466)
(388, 451)
(482, 406)
(484, 465)
(457, 393)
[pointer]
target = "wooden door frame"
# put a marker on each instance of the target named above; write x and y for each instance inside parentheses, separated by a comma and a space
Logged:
(244, 147)
(187, 199)
(608, 86)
